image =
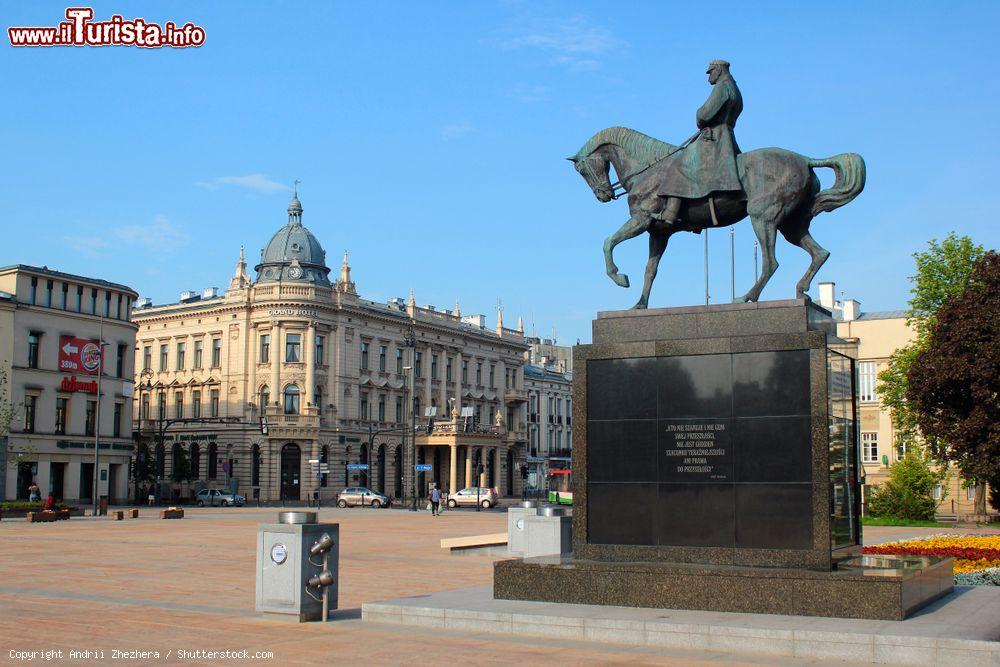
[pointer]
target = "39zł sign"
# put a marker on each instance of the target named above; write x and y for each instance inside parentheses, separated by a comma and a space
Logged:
(79, 355)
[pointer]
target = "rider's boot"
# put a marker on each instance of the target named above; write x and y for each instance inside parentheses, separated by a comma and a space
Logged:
(670, 212)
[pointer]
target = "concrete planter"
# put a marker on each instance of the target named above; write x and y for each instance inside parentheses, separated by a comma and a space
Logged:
(172, 513)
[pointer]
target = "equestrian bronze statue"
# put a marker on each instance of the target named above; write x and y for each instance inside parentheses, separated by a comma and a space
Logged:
(707, 182)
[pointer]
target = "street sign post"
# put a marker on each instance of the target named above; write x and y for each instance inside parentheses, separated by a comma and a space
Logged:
(423, 467)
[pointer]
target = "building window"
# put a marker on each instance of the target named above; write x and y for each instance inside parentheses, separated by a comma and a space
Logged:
(79, 298)
(213, 460)
(493, 370)
(293, 348)
(120, 360)
(381, 357)
(465, 372)
(479, 373)
(363, 406)
(161, 406)
(117, 432)
(29, 413)
(447, 368)
(163, 357)
(399, 409)
(364, 355)
(119, 315)
(107, 304)
(144, 409)
(970, 492)
(147, 357)
(179, 405)
(265, 349)
(33, 338)
(938, 490)
(48, 293)
(900, 449)
(199, 353)
(867, 377)
(65, 293)
(399, 360)
(62, 405)
(91, 421)
(33, 291)
(418, 359)
(213, 397)
(93, 301)
(196, 404)
(319, 351)
(291, 400)
(869, 447)
(265, 398)
(434, 367)
(216, 353)
(181, 349)
(381, 407)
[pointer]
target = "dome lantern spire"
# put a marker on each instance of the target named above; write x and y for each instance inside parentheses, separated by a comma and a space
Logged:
(295, 207)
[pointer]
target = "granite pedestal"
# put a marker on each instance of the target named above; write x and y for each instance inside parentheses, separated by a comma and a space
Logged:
(718, 469)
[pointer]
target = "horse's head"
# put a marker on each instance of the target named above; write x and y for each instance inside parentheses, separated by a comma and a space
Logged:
(595, 169)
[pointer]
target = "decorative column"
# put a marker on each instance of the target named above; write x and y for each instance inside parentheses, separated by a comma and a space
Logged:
(453, 472)
(443, 384)
(275, 387)
(458, 384)
(427, 380)
(468, 465)
(254, 346)
(310, 359)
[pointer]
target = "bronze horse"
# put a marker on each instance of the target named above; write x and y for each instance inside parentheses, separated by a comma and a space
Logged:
(782, 195)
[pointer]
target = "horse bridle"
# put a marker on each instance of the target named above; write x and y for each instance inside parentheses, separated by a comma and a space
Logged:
(620, 183)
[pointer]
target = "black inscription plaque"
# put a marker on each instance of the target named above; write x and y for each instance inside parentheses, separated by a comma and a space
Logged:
(700, 450)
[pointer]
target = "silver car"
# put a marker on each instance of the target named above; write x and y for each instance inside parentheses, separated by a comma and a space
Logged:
(360, 495)
(215, 497)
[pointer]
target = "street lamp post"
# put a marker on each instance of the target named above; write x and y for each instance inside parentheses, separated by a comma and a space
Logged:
(97, 419)
(146, 373)
(410, 469)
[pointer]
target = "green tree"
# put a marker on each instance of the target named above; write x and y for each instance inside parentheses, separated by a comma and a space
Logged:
(953, 386)
(6, 405)
(909, 491)
(182, 466)
(7, 413)
(943, 271)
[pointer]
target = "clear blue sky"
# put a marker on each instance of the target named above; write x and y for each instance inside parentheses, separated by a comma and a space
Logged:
(430, 137)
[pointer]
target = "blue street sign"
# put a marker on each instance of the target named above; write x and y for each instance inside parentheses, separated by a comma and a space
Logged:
(357, 466)
(423, 467)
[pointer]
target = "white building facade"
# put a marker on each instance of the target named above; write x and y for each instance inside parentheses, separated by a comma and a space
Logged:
(57, 323)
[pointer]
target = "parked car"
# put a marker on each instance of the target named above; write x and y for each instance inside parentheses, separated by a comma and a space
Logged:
(221, 498)
(485, 496)
(361, 495)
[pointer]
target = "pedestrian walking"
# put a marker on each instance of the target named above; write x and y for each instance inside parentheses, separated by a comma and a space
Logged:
(34, 495)
(435, 500)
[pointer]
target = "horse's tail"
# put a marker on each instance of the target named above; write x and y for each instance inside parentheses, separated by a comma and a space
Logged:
(850, 171)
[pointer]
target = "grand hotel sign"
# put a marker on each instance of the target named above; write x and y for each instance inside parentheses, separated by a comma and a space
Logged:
(292, 312)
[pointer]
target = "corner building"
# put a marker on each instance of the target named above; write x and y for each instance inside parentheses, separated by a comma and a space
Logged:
(340, 381)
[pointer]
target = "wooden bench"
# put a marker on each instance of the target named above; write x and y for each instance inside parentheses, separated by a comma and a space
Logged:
(44, 516)
(132, 513)
(172, 513)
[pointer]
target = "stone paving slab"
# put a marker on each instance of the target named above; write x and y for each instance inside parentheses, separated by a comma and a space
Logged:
(961, 629)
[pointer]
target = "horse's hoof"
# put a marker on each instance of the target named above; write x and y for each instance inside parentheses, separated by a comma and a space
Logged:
(746, 298)
(621, 279)
(639, 306)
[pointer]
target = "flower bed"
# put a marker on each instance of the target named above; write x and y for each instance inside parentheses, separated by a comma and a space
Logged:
(977, 557)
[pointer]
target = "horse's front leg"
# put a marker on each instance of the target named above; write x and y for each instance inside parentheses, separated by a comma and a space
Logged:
(636, 225)
(657, 244)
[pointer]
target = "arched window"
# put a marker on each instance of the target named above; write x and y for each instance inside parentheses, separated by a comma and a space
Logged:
(255, 467)
(265, 398)
(291, 400)
(324, 457)
(213, 460)
(195, 461)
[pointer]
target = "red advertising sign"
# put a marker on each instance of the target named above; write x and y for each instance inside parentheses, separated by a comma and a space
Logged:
(79, 355)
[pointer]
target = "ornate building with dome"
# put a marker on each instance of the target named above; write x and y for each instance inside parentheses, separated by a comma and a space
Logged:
(289, 387)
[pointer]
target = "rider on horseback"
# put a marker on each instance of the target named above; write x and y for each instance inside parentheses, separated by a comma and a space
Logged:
(708, 164)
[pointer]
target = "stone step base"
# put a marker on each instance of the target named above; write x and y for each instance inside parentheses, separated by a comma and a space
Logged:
(960, 629)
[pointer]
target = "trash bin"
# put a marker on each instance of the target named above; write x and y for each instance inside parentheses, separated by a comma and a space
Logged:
(102, 508)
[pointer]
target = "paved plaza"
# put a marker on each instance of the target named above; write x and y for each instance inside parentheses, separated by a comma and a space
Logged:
(152, 585)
